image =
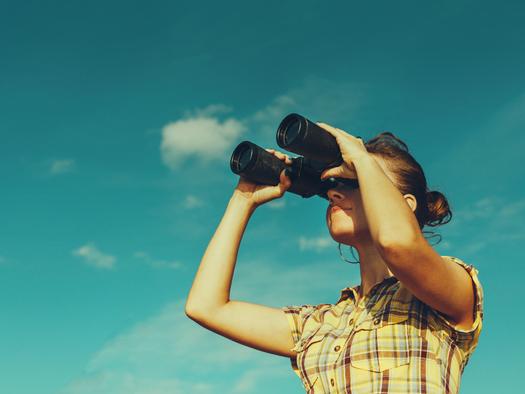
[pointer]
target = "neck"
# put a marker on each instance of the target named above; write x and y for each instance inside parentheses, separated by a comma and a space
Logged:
(373, 268)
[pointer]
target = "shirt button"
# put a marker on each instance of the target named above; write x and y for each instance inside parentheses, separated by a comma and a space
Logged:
(337, 348)
(332, 382)
(351, 322)
(377, 321)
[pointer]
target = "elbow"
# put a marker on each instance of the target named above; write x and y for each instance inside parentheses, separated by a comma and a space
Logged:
(190, 311)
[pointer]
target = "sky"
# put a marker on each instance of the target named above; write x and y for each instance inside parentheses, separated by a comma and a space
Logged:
(117, 123)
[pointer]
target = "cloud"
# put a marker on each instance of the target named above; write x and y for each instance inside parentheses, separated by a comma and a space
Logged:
(317, 99)
(485, 222)
(277, 203)
(201, 137)
(192, 201)
(157, 263)
(122, 382)
(210, 110)
(316, 243)
(169, 352)
(95, 257)
(61, 166)
(275, 110)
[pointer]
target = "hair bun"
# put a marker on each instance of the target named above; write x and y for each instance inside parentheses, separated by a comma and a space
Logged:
(438, 209)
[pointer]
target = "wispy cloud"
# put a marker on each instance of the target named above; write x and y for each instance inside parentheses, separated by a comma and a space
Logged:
(170, 353)
(275, 110)
(277, 203)
(315, 243)
(166, 353)
(191, 201)
(61, 166)
(488, 221)
(316, 98)
(145, 257)
(202, 136)
(210, 110)
(95, 257)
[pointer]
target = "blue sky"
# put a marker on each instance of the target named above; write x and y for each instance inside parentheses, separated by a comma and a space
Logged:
(117, 124)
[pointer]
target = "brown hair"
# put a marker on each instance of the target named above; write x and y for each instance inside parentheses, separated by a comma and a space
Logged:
(432, 206)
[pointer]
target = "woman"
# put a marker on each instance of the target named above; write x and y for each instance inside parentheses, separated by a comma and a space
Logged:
(414, 320)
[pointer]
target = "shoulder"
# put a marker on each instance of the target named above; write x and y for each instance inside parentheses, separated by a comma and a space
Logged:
(468, 335)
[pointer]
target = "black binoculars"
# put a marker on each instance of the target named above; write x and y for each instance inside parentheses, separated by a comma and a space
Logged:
(319, 150)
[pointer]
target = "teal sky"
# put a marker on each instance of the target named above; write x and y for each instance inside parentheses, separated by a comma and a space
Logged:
(117, 122)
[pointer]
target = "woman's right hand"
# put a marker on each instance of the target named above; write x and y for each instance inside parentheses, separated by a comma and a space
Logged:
(257, 194)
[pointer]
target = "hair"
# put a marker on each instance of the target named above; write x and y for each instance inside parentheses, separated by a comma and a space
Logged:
(432, 208)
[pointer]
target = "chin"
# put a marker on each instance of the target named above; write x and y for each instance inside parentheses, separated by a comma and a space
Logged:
(341, 234)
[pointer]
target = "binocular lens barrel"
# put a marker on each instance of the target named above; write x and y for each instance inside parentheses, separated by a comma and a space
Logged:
(304, 137)
(241, 158)
(256, 164)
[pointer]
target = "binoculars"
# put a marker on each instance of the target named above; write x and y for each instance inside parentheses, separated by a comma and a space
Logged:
(319, 150)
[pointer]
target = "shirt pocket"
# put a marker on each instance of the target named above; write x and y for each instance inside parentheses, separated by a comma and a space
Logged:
(380, 343)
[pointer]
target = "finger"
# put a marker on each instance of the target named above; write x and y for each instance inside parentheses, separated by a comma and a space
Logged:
(284, 182)
(282, 156)
(328, 128)
(332, 172)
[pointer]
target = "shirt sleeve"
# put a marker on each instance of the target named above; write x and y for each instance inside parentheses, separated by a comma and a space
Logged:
(297, 316)
(467, 337)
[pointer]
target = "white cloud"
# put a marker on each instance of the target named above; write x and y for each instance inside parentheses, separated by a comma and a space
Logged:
(192, 201)
(203, 137)
(316, 243)
(95, 257)
(61, 166)
(157, 263)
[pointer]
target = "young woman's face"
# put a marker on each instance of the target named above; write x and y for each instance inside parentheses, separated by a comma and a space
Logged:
(345, 216)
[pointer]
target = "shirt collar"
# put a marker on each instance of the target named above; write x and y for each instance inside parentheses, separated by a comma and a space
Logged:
(352, 292)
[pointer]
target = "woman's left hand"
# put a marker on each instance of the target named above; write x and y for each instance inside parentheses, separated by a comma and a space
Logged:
(352, 148)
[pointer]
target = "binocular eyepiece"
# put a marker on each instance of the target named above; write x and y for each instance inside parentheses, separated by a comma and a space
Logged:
(319, 150)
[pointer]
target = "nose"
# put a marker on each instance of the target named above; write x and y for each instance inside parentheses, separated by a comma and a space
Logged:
(334, 196)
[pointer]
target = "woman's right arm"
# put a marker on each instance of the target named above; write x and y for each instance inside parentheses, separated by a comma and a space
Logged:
(258, 326)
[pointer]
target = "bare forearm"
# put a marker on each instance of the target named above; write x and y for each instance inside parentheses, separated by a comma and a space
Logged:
(212, 283)
(390, 219)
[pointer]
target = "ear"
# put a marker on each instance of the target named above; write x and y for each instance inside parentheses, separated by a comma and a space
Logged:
(411, 201)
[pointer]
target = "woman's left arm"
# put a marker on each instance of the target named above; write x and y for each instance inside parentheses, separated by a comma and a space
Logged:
(438, 282)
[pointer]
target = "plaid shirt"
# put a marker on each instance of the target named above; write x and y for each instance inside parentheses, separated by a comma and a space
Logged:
(390, 342)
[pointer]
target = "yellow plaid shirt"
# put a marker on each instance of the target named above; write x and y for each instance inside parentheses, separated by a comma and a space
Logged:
(390, 343)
